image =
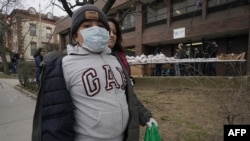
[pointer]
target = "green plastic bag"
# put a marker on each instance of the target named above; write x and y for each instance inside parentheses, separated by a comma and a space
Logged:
(152, 134)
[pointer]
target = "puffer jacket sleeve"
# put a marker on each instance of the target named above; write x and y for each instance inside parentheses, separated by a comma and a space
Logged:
(138, 114)
(53, 119)
(133, 101)
(143, 113)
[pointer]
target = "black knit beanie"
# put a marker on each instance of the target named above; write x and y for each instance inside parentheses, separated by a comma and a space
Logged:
(87, 12)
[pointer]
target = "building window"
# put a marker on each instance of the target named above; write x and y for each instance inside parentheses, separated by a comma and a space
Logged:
(128, 21)
(156, 12)
(212, 3)
(127, 18)
(32, 30)
(130, 51)
(50, 15)
(33, 48)
(48, 32)
(32, 11)
(184, 6)
(65, 39)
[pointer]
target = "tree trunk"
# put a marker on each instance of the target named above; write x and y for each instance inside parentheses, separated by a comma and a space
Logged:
(3, 55)
(105, 9)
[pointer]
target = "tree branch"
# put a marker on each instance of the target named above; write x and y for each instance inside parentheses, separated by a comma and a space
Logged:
(66, 7)
(108, 6)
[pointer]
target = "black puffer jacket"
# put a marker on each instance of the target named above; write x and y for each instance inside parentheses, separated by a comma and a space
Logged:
(54, 118)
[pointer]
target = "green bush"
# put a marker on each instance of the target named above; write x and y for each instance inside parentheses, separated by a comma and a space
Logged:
(1, 66)
(26, 74)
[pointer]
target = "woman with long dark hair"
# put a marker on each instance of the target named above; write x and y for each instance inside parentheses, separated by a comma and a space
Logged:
(115, 44)
(38, 59)
(115, 40)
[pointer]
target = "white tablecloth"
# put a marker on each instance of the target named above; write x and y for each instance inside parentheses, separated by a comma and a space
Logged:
(186, 60)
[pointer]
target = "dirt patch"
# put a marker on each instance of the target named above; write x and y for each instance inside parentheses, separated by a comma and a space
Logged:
(195, 114)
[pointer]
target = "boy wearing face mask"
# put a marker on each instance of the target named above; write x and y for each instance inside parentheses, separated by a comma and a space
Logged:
(97, 82)
(105, 106)
(95, 79)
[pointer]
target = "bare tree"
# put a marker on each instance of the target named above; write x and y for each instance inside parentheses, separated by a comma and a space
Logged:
(68, 6)
(5, 7)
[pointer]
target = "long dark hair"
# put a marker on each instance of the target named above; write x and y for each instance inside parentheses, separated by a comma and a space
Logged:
(39, 50)
(118, 43)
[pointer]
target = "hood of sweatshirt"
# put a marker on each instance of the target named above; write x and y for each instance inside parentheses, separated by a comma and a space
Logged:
(82, 51)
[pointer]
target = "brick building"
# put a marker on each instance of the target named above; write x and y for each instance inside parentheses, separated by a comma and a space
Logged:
(148, 24)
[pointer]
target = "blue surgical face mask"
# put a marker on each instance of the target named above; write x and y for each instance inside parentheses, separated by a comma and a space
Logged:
(95, 38)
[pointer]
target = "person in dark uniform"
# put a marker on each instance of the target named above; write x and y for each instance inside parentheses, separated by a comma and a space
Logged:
(158, 66)
(14, 59)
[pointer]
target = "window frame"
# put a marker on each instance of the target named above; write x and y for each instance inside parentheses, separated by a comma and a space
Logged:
(48, 35)
(32, 29)
(33, 48)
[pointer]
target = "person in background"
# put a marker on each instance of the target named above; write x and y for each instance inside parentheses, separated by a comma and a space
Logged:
(198, 4)
(105, 107)
(38, 60)
(158, 67)
(197, 65)
(209, 51)
(14, 60)
(213, 48)
(179, 55)
(115, 40)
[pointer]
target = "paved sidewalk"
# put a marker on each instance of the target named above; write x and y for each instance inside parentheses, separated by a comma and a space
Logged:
(16, 112)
